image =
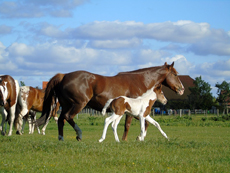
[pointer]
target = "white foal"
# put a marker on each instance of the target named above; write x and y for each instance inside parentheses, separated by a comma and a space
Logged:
(139, 107)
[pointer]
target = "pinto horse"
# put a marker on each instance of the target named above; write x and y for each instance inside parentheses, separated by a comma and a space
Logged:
(139, 107)
(77, 89)
(9, 89)
(30, 98)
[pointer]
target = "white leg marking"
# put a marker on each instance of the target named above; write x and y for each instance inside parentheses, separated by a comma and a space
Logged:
(107, 122)
(114, 127)
(152, 121)
(142, 124)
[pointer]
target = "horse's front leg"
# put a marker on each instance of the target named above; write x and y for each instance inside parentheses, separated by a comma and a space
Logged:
(152, 121)
(4, 115)
(142, 124)
(128, 121)
(145, 133)
(12, 117)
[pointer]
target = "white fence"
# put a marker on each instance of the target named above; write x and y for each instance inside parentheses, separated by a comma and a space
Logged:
(178, 112)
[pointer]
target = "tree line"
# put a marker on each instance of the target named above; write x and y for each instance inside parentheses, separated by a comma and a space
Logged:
(202, 98)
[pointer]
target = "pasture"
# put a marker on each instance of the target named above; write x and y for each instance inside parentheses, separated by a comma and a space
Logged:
(196, 144)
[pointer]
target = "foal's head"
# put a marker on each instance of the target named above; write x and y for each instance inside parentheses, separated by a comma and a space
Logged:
(160, 95)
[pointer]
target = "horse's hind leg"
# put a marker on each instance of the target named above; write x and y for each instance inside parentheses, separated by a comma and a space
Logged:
(69, 115)
(114, 127)
(108, 120)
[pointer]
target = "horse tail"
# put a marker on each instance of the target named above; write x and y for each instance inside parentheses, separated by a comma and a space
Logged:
(50, 96)
(106, 106)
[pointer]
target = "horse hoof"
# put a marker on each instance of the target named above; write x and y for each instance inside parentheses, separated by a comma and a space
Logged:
(79, 139)
(60, 138)
(18, 133)
(3, 133)
(138, 138)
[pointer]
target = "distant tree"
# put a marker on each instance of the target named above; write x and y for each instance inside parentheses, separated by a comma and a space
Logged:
(22, 83)
(223, 93)
(200, 97)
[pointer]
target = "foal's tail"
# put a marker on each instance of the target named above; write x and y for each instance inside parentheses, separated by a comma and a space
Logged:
(50, 96)
(106, 106)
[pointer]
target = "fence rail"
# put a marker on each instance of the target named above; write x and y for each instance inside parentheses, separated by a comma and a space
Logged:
(178, 112)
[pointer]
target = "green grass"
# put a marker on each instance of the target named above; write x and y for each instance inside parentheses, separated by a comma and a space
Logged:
(195, 145)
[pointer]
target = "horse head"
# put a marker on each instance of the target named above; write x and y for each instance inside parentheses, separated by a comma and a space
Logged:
(3, 92)
(160, 95)
(172, 80)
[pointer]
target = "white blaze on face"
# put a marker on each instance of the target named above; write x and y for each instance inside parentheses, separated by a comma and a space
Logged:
(4, 91)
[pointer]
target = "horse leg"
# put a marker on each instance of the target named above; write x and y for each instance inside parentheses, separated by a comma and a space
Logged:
(145, 133)
(152, 121)
(60, 126)
(44, 127)
(114, 127)
(12, 117)
(142, 125)
(21, 125)
(128, 121)
(4, 115)
(107, 122)
(30, 124)
(69, 115)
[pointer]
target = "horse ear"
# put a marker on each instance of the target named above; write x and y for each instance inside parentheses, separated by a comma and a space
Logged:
(165, 63)
(172, 64)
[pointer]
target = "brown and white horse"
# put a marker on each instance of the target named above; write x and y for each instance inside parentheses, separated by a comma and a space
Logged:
(9, 89)
(77, 89)
(138, 107)
(30, 98)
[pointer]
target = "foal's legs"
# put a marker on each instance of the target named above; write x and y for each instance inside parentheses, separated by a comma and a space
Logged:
(152, 121)
(142, 124)
(107, 122)
(114, 127)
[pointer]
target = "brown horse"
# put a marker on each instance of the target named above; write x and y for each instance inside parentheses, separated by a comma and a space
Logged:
(80, 88)
(30, 98)
(9, 89)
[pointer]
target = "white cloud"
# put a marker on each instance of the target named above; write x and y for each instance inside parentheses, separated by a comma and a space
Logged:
(182, 65)
(185, 36)
(41, 8)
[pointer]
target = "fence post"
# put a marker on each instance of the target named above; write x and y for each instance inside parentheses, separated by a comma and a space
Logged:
(189, 112)
(217, 112)
(180, 112)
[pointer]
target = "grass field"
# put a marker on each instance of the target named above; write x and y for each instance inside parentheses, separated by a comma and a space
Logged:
(196, 144)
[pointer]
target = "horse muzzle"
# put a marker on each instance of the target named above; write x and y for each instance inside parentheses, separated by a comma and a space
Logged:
(180, 91)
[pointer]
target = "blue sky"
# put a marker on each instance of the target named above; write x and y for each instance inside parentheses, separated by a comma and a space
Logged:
(39, 38)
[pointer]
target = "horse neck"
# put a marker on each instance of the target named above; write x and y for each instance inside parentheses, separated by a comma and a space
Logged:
(155, 76)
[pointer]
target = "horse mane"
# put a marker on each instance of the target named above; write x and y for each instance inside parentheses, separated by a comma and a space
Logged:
(139, 71)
